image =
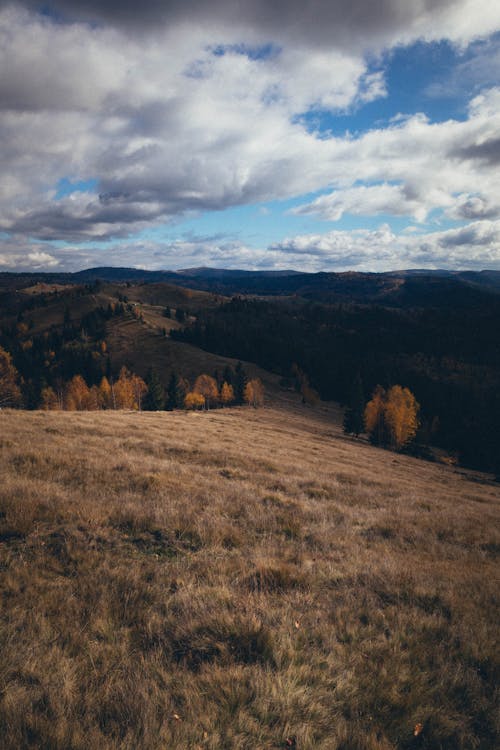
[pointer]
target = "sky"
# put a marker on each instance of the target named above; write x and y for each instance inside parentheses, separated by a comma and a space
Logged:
(316, 135)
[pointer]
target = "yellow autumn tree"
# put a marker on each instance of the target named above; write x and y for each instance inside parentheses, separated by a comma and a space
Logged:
(391, 418)
(401, 416)
(226, 394)
(206, 386)
(76, 394)
(92, 401)
(194, 400)
(374, 416)
(105, 395)
(139, 389)
(123, 391)
(253, 394)
(49, 400)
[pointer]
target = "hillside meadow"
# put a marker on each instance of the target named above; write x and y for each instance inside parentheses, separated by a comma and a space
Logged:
(247, 579)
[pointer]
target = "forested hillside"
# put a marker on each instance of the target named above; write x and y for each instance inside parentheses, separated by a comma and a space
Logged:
(436, 335)
(449, 357)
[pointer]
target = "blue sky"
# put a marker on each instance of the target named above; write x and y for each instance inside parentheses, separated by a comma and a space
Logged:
(337, 136)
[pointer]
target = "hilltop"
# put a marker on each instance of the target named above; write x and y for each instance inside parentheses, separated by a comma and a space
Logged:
(240, 579)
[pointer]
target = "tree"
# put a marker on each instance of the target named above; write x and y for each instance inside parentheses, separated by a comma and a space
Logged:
(49, 400)
(10, 394)
(391, 418)
(76, 394)
(155, 397)
(226, 394)
(228, 375)
(401, 416)
(309, 394)
(139, 389)
(93, 400)
(176, 392)
(105, 394)
(354, 414)
(374, 416)
(128, 391)
(123, 392)
(206, 386)
(254, 393)
(239, 383)
(194, 400)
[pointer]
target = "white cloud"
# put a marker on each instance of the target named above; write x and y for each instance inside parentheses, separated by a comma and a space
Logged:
(429, 166)
(176, 107)
(476, 245)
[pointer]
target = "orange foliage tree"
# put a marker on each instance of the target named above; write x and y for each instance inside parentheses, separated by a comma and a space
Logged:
(254, 393)
(374, 416)
(194, 400)
(128, 391)
(76, 394)
(206, 386)
(49, 400)
(401, 416)
(226, 394)
(391, 418)
(105, 394)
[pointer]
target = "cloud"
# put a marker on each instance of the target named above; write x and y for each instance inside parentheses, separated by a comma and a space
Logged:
(178, 107)
(418, 167)
(366, 201)
(342, 23)
(476, 245)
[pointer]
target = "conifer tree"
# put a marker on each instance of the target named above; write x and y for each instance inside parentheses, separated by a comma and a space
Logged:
(240, 381)
(176, 392)
(10, 394)
(228, 375)
(354, 414)
(154, 399)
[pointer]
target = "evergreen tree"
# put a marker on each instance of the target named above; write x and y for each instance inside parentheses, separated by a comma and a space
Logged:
(154, 399)
(176, 392)
(180, 315)
(228, 375)
(240, 381)
(354, 414)
(10, 394)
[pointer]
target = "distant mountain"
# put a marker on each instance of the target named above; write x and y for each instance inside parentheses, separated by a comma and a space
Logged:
(404, 288)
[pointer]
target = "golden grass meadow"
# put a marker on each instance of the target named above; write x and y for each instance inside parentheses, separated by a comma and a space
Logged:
(244, 579)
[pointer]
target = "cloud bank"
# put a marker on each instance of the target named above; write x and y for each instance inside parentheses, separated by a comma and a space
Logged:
(181, 107)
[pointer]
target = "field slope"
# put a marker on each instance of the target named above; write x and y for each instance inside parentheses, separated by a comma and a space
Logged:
(240, 579)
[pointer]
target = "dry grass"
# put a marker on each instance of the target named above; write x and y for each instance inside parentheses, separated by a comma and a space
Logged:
(240, 579)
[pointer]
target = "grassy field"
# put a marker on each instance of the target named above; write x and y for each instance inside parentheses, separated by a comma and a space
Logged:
(240, 579)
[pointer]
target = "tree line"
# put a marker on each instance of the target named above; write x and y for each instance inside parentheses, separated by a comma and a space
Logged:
(129, 391)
